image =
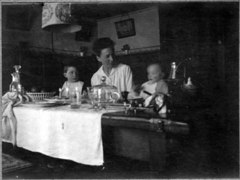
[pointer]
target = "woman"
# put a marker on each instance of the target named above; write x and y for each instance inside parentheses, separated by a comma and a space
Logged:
(116, 74)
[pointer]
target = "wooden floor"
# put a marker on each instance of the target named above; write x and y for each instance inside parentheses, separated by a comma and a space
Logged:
(214, 156)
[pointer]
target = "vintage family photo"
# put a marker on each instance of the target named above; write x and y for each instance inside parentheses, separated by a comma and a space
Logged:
(120, 90)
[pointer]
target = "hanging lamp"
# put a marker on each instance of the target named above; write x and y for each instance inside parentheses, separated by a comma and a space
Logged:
(57, 17)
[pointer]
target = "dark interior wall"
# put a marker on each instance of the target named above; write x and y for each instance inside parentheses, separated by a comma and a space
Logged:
(231, 52)
(196, 30)
(209, 34)
(231, 55)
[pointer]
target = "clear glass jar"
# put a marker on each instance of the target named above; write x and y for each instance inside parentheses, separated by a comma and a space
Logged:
(101, 95)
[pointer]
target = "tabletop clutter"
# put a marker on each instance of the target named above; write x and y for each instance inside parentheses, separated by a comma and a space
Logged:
(101, 96)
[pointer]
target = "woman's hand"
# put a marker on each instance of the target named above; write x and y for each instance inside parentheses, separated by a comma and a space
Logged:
(137, 89)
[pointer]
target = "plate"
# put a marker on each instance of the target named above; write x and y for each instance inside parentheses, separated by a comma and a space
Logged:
(57, 100)
(41, 104)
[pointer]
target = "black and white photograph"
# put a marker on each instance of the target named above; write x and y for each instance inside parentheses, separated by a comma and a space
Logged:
(120, 89)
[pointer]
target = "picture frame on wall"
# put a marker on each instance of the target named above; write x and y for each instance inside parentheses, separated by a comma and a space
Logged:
(125, 28)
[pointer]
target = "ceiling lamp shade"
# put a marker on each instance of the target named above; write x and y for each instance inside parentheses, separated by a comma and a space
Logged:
(57, 17)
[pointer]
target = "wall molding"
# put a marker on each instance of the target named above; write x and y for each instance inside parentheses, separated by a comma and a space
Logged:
(76, 53)
(138, 50)
(43, 49)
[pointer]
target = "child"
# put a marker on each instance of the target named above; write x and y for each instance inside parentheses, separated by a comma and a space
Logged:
(155, 83)
(72, 84)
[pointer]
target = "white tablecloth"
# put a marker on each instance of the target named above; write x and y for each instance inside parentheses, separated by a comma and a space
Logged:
(61, 132)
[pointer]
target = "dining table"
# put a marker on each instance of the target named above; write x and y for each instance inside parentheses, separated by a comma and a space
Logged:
(84, 134)
(143, 135)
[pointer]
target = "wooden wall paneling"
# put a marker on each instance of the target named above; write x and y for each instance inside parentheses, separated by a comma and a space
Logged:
(90, 66)
(53, 72)
(31, 72)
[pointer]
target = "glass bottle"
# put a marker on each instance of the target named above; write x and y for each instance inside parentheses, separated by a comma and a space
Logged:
(172, 74)
(15, 85)
(101, 95)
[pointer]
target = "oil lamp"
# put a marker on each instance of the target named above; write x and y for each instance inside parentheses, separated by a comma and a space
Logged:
(174, 68)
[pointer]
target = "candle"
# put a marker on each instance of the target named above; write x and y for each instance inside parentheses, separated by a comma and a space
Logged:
(60, 93)
(77, 94)
(67, 92)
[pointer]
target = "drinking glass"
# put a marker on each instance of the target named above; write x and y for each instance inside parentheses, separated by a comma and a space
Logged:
(93, 97)
(75, 99)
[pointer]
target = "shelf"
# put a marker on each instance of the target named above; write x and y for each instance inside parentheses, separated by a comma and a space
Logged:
(138, 50)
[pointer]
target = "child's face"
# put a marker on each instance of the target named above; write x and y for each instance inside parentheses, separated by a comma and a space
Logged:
(71, 74)
(154, 73)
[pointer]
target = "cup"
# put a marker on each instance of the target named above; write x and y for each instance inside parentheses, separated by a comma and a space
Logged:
(94, 98)
(75, 99)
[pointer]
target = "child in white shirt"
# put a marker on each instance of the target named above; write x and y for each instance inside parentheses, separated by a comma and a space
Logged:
(155, 83)
(72, 84)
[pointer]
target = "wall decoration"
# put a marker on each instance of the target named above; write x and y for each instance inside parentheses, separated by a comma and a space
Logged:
(125, 28)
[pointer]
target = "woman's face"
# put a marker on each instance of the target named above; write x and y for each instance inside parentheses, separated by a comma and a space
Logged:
(106, 57)
(71, 74)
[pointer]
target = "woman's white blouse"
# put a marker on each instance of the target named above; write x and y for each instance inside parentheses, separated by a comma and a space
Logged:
(120, 76)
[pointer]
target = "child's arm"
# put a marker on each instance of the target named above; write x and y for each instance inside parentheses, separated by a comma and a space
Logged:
(135, 92)
(162, 88)
(137, 89)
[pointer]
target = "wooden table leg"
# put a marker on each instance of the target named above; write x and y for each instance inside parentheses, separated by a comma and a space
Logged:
(157, 146)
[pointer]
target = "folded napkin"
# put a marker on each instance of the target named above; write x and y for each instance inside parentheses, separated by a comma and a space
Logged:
(9, 122)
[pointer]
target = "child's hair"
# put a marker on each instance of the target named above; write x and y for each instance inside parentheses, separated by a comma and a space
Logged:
(65, 69)
(102, 43)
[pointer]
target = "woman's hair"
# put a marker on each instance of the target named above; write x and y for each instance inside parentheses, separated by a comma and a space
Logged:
(102, 43)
